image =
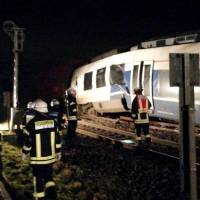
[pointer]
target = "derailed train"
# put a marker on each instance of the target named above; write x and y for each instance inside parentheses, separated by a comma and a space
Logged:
(105, 82)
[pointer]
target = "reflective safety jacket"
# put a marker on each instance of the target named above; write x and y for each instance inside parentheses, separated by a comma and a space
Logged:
(18, 119)
(71, 108)
(28, 115)
(140, 109)
(42, 140)
(57, 115)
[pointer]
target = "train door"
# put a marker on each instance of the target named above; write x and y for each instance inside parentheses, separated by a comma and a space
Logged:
(142, 77)
(145, 82)
(135, 76)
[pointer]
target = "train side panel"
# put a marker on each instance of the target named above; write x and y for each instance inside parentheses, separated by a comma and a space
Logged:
(163, 97)
(106, 98)
(166, 98)
(84, 81)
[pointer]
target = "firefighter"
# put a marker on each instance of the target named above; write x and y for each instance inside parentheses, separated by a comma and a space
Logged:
(18, 125)
(30, 113)
(42, 146)
(140, 113)
(57, 114)
(27, 116)
(71, 112)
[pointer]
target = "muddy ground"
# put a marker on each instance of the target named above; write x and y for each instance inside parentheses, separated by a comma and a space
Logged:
(96, 170)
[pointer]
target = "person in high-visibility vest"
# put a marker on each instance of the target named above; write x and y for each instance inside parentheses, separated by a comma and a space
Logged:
(42, 146)
(140, 113)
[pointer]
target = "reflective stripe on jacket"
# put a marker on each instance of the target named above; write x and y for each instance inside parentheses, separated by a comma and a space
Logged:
(71, 108)
(42, 140)
(140, 107)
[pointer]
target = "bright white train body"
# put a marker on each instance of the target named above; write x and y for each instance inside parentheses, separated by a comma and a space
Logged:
(103, 83)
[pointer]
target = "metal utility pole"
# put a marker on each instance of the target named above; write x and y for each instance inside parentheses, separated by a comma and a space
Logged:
(184, 72)
(17, 36)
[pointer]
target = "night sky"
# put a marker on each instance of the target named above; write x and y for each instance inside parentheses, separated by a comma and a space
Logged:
(59, 33)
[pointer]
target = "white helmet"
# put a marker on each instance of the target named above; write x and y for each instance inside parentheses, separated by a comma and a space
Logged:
(29, 105)
(54, 102)
(71, 91)
(40, 106)
(66, 92)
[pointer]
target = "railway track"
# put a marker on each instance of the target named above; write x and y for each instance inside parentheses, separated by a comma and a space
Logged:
(115, 134)
(122, 138)
(164, 135)
(168, 131)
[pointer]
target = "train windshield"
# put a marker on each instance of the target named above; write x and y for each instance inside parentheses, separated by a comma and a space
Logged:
(116, 75)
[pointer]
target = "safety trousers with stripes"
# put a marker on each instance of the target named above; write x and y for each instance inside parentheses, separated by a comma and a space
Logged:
(142, 128)
(44, 186)
(71, 131)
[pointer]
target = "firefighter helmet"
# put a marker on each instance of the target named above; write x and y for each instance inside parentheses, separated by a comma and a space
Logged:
(138, 90)
(54, 103)
(40, 106)
(29, 105)
(71, 91)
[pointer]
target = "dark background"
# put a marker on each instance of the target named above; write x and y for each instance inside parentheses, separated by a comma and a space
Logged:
(63, 35)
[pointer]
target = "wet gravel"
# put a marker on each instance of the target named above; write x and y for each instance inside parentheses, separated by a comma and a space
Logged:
(97, 170)
(118, 174)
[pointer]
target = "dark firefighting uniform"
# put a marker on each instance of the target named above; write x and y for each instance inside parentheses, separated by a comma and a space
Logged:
(28, 115)
(71, 115)
(140, 108)
(18, 126)
(42, 142)
(57, 114)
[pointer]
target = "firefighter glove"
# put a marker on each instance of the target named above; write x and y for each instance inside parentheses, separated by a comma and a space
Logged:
(58, 156)
(133, 116)
(25, 156)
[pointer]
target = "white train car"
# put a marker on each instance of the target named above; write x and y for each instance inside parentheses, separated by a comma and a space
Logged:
(103, 83)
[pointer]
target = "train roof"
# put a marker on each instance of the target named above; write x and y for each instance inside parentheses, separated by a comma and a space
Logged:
(183, 38)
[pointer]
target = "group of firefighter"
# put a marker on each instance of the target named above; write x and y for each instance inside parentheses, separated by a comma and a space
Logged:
(41, 138)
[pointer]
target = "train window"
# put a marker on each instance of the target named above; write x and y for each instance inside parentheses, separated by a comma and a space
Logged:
(116, 74)
(135, 75)
(147, 79)
(88, 81)
(160, 43)
(100, 78)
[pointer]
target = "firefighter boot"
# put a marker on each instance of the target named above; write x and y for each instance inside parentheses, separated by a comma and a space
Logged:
(139, 144)
(148, 142)
(51, 193)
(139, 141)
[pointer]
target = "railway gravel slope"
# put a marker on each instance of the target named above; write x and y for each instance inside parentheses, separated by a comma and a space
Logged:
(95, 170)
